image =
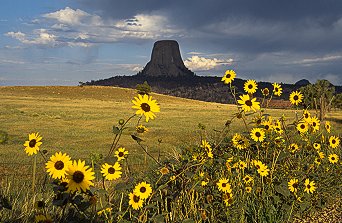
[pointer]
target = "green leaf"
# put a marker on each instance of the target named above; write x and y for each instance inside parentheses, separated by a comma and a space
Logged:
(116, 130)
(158, 218)
(283, 190)
(188, 220)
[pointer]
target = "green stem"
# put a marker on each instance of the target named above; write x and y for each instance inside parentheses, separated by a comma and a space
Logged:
(34, 173)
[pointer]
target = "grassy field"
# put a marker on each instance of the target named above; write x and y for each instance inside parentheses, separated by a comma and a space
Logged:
(79, 120)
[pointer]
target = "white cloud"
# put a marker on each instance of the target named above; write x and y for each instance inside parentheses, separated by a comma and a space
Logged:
(197, 63)
(131, 67)
(310, 61)
(75, 27)
(73, 17)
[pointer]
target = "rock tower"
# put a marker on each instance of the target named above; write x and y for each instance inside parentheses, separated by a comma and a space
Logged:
(166, 61)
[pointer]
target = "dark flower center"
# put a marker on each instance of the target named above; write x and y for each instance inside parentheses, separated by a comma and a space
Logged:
(145, 107)
(266, 91)
(136, 198)
(308, 186)
(332, 158)
(258, 121)
(314, 123)
(247, 179)
(142, 189)
(228, 76)
(250, 86)
(111, 170)
(257, 166)
(306, 115)
(302, 126)
(295, 97)
(121, 154)
(59, 165)
(293, 147)
(257, 134)
(249, 103)
(276, 89)
(240, 142)
(318, 160)
(333, 141)
(267, 127)
(277, 129)
(32, 143)
(224, 184)
(78, 177)
(295, 185)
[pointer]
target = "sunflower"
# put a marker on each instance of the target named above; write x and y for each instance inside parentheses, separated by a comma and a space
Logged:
(250, 86)
(111, 172)
(208, 148)
(318, 160)
(242, 165)
(265, 92)
(247, 103)
(135, 201)
(334, 141)
(32, 146)
(293, 147)
(104, 211)
(80, 176)
(121, 153)
(143, 190)
(296, 97)
(268, 124)
(277, 127)
(248, 179)
(302, 127)
(306, 114)
(257, 134)
(261, 168)
(164, 170)
(146, 106)
(248, 189)
(321, 155)
(224, 186)
(293, 185)
(240, 141)
(228, 76)
(205, 182)
(228, 198)
(333, 158)
(41, 218)
(327, 126)
(314, 122)
(141, 129)
(277, 90)
(58, 165)
(317, 146)
(309, 186)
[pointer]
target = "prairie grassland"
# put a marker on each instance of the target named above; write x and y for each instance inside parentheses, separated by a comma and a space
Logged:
(79, 121)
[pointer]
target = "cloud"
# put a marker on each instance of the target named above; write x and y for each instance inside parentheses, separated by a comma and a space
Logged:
(130, 67)
(197, 63)
(40, 37)
(311, 61)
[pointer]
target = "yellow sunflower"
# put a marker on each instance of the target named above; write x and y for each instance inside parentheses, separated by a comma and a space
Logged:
(317, 146)
(248, 179)
(250, 86)
(257, 134)
(327, 126)
(265, 92)
(111, 172)
(224, 186)
(41, 218)
(135, 201)
(143, 190)
(58, 165)
(228, 76)
(248, 189)
(314, 122)
(261, 168)
(309, 186)
(296, 97)
(306, 114)
(268, 124)
(277, 127)
(318, 160)
(277, 90)
(242, 165)
(248, 104)
(146, 106)
(80, 176)
(121, 153)
(302, 127)
(228, 198)
(334, 141)
(293, 185)
(293, 147)
(164, 170)
(32, 146)
(240, 141)
(333, 158)
(141, 129)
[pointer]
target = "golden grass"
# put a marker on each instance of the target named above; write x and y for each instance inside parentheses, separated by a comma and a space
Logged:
(79, 120)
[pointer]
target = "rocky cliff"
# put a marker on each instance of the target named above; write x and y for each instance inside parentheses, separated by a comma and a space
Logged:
(166, 61)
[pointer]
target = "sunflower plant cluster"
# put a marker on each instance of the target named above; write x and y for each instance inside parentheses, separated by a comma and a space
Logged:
(271, 170)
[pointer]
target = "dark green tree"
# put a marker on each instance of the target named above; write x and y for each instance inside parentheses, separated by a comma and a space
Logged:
(143, 88)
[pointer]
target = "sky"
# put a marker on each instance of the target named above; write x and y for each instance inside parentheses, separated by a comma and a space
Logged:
(60, 42)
